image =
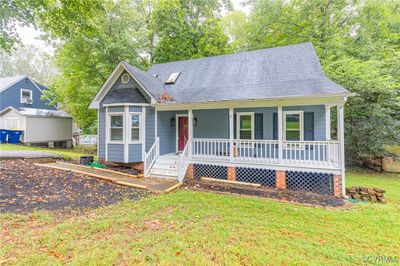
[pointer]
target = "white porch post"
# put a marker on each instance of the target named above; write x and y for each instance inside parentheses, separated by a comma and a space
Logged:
(340, 126)
(328, 122)
(231, 134)
(190, 118)
(280, 135)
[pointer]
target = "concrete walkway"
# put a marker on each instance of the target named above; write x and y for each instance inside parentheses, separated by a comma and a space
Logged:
(15, 154)
(155, 185)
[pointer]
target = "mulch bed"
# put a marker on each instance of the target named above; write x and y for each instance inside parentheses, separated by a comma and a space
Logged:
(25, 187)
(118, 168)
(286, 196)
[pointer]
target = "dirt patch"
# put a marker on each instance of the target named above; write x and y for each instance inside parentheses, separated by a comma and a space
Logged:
(286, 196)
(25, 187)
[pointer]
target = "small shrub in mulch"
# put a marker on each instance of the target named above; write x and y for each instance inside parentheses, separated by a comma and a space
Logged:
(287, 196)
(25, 187)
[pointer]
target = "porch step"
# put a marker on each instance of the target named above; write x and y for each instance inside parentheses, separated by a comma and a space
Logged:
(166, 166)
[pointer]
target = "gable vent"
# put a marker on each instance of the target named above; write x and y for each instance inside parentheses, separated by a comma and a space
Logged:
(173, 77)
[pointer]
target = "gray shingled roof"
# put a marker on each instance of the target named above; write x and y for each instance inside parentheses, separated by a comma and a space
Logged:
(127, 95)
(37, 112)
(288, 71)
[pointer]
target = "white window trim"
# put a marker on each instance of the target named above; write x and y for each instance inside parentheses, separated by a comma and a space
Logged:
(26, 90)
(301, 121)
(109, 141)
(130, 141)
(238, 115)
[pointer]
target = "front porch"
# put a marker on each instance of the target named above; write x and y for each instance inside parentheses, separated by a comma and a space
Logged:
(284, 138)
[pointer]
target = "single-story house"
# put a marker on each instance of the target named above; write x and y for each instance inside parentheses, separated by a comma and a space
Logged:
(252, 117)
(24, 107)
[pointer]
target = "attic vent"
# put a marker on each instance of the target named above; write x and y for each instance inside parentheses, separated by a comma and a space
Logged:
(172, 78)
(125, 78)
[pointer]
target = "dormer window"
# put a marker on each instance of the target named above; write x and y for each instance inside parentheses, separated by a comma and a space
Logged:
(26, 96)
(172, 78)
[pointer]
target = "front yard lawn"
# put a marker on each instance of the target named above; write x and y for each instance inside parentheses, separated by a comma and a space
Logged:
(187, 227)
(74, 153)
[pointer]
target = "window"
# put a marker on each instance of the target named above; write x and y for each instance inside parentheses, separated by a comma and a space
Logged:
(135, 127)
(245, 126)
(125, 78)
(116, 127)
(172, 78)
(26, 96)
(293, 126)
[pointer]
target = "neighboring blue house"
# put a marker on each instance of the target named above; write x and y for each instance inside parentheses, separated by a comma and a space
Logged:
(23, 108)
(253, 117)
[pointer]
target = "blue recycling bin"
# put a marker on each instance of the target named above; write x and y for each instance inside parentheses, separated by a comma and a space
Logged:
(3, 135)
(15, 136)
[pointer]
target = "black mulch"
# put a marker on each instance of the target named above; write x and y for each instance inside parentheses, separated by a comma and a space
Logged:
(25, 187)
(287, 196)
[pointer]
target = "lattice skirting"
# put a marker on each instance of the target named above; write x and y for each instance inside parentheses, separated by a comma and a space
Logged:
(320, 183)
(265, 177)
(208, 170)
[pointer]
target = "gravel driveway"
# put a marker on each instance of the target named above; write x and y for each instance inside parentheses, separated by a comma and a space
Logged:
(25, 187)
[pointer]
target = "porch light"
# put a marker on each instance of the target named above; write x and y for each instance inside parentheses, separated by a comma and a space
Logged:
(172, 122)
(194, 121)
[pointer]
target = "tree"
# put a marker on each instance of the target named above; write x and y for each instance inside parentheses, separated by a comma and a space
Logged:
(358, 45)
(29, 60)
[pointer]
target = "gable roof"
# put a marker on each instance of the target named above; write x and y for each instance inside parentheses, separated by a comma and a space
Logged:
(288, 71)
(282, 72)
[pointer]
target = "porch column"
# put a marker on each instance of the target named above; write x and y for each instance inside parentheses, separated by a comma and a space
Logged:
(231, 134)
(328, 122)
(190, 118)
(340, 130)
(280, 134)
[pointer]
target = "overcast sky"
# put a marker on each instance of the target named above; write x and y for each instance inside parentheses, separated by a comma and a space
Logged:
(29, 35)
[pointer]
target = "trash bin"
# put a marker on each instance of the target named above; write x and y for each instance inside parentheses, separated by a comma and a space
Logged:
(15, 136)
(3, 135)
(85, 160)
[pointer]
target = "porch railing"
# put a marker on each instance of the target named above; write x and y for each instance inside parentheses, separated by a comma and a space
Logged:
(151, 156)
(324, 153)
(184, 161)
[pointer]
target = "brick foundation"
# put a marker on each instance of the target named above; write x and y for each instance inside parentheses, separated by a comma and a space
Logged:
(231, 173)
(280, 180)
(337, 186)
(190, 172)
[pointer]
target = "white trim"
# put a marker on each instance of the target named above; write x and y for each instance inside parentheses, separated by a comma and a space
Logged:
(155, 123)
(340, 126)
(143, 131)
(13, 83)
(190, 131)
(177, 129)
(231, 133)
(301, 121)
(125, 104)
(11, 118)
(98, 133)
(127, 124)
(122, 78)
(141, 125)
(280, 135)
(95, 103)
(106, 134)
(25, 90)
(238, 115)
(109, 141)
(327, 122)
(332, 99)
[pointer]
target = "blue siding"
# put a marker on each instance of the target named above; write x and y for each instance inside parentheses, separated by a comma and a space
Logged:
(12, 96)
(135, 153)
(116, 153)
(267, 118)
(211, 123)
(150, 127)
(115, 109)
(166, 132)
(135, 109)
(102, 133)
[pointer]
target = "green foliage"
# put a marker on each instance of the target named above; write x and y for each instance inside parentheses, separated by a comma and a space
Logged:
(358, 45)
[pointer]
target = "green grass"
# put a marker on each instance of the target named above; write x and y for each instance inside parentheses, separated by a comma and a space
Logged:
(66, 153)
(186, 227)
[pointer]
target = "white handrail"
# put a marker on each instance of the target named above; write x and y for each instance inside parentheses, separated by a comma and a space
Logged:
(184, 161)
(151, 156)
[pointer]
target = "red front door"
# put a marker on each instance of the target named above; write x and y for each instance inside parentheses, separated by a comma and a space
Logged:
(183, 132)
